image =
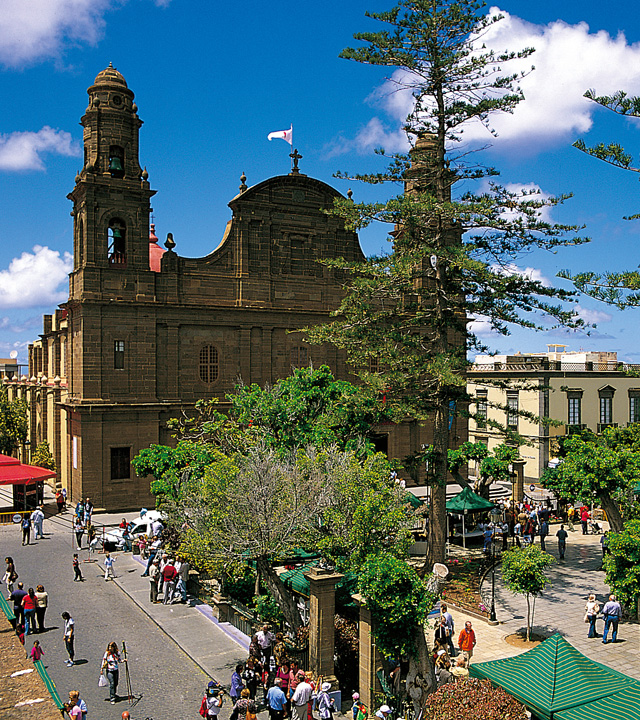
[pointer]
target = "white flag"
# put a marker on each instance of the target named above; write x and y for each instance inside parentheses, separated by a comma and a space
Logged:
(286, 135)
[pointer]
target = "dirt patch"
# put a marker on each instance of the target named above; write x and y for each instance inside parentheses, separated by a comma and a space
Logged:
(462, 587)
(25, 688)
(519, 640)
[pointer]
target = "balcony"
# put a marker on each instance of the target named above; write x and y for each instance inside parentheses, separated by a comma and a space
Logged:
(574, 429)
(603, 426)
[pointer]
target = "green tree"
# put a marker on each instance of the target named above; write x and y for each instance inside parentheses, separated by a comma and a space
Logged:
(42, 456)
(471, 698)
(494, 465)
(523, 573)
(621, 289)
(399, 602)
(453, 252)
(622, 564)
(604, 467)
(13, 422)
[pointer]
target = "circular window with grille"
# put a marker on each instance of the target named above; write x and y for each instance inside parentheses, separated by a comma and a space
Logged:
(209, 364)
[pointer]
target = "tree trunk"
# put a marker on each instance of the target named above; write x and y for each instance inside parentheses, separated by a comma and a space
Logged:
(421, 678)
(438, 503)
(610, 506)
(281, 595)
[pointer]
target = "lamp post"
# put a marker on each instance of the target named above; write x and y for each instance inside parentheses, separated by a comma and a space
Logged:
(495, 517)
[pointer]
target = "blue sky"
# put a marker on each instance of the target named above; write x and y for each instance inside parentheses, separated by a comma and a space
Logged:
(213, 79)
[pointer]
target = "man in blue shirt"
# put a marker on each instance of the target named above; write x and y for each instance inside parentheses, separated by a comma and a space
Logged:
(276, 701)
(611, 613)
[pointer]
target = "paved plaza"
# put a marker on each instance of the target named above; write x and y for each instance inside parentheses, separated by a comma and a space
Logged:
(559, 609)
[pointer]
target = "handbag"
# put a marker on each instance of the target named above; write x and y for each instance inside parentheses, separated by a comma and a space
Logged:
(102, 680)
(586, 617)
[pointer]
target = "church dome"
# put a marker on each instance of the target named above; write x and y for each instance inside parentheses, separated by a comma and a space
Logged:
(110, 76)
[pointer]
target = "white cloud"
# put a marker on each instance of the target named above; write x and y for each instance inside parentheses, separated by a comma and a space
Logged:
(528, 272)
(22, 150)
(373, 135)
(592, 317)
(480, 325)
(39, 29)
(34, 279)
(7, 324)
(568, 60)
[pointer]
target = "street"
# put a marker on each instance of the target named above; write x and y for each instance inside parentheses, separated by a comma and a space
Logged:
(166, 683)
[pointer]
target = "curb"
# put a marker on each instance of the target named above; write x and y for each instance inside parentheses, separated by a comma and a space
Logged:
(171, 637)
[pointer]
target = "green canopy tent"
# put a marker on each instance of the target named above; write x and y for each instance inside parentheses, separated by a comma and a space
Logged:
(413, 500)
(467, 501)
(636, 489)
(621, 706)
(554, 677)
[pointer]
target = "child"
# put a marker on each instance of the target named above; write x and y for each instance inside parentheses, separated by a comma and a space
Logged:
(108, 566)
(76, 568)
(36, 651)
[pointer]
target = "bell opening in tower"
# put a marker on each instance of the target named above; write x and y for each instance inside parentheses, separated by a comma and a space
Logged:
(117, 243)
(116, 161)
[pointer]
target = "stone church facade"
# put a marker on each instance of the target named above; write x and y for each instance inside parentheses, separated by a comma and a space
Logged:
(145, 333)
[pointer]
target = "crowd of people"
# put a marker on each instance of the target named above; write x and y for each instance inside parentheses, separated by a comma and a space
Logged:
(270, 678)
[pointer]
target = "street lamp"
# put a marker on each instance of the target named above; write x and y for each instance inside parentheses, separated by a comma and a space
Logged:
(495, 518)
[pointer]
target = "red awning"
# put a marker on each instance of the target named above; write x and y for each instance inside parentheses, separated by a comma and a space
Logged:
(8, 460)
(19, 474)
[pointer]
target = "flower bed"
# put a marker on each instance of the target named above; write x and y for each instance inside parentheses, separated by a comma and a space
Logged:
(462, 587)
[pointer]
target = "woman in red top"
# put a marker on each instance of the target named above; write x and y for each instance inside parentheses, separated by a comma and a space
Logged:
(29, 604)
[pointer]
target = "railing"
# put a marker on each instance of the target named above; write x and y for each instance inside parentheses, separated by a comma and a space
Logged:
(242, 618)
(6, 518)
(555, 366)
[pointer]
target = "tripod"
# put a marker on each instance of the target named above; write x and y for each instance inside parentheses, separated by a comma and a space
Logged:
(126, 674)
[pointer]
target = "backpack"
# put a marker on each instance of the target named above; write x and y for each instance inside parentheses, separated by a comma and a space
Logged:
(203, 707)
(362, 712)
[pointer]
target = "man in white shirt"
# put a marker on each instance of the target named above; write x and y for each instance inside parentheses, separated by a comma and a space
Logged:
(37, 517)
(265, 640)
(301, 696)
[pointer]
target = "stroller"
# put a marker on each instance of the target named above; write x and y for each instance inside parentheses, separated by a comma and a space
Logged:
(594, 527)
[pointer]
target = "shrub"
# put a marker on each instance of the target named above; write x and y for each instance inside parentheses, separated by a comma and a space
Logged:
(472, 699)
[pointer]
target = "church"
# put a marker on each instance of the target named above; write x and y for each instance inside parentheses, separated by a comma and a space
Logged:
(145, 333)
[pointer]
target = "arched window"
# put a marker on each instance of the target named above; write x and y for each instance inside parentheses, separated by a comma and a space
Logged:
(209, 364)
(117, 242)
(116, 161)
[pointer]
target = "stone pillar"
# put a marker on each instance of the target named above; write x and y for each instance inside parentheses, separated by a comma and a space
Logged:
(370, 659)
(518, 481)
(322, 601)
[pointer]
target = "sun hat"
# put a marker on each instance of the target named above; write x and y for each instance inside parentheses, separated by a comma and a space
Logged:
(355, 696)
(326, 686)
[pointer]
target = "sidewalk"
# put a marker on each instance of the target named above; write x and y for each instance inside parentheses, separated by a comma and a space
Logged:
(559, 609)
(216, 647)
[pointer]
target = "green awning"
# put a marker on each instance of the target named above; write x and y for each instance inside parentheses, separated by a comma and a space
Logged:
(636, 489)
(296, 581)
(554, 677)
(622, 706)
(413, 500)
(469, 501)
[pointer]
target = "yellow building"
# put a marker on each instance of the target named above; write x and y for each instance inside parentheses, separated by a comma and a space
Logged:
(580, 389)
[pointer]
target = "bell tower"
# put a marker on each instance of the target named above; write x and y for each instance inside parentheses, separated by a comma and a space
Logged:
(111, 198)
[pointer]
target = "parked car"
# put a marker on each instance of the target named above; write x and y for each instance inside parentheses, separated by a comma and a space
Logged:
(113, 540)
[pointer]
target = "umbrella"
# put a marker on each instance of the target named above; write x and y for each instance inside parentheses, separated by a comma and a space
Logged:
(467, 501)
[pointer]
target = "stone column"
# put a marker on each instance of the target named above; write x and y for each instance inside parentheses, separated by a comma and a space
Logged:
(370, 659)
(518, 484)
(322, 600)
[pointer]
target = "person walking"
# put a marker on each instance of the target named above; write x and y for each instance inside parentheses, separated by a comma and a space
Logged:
(37, 518)
(88, 511)
(325, 704)
(26, 528)
(265, 641)
(612, 612)
(544, 531)
(29, 604)
(591, 610)
(584, 519)
(108, 566)
(276, 701)
(78, 529)
(153, 551)
(236, 684)
(467, 641)
(111, 668)
(169, 578)
(212, 702)
(301, 697)
(10, 574)
(42, 602)
(69, 637)
(17, 596)
(244, 708)
(562, 536)
(59, 501)
(36, 651)
(77, 574)
(183, 579)
(450, 625)
(75, 701)
(154, 574)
